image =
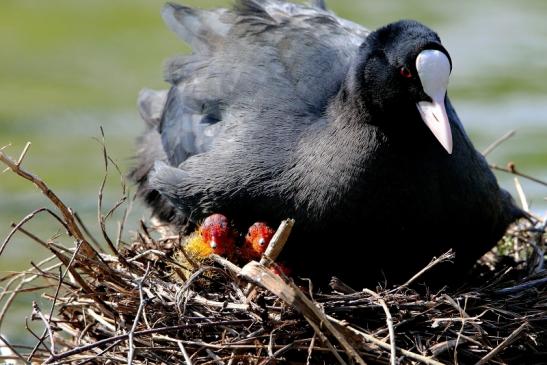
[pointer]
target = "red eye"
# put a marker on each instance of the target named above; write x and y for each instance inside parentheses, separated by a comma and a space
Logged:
(405, 72)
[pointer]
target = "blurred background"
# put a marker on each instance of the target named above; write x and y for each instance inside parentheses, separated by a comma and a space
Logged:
(68, 67)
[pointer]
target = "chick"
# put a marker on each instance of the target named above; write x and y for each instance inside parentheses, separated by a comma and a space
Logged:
(215, 235)
(257, 240)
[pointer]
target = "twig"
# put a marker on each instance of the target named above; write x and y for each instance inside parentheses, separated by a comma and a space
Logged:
(291, 294)
(95, 356)
(12, 349)
(278, 241)
(102, 218)
(326, 341)
(463, 314)
(22, 283)
(101, 320)
(202, 325)
(389, 320)
(23, 221)
(385, 346)
(230, 346)
(498, 142)
(31, 236)
(55, 297)
(259, 275)
(28, 290)
(511, 169)
(464, 317)
(184, 353)
(522, 195)
(40, 340)
(508, 341)
(271, 344)
(87, 232)
(442, 347)
(449, 255)
(310, 350)
(146, 253)
(233, 268)
(195, 298)
(36, 311)
(122, 223)
(282, 349)
(248, 359)
(23, 154)
(274, 357)
(131, 352)
(66, 212)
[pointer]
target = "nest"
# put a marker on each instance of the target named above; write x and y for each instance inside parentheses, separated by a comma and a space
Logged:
(139, 303)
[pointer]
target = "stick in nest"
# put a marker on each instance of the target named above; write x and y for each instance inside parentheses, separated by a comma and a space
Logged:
(389, 321)
(69, 220)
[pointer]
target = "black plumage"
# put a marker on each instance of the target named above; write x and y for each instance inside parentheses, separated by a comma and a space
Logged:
(284, 110)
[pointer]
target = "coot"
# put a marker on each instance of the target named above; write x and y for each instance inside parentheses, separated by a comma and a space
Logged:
(287, 111)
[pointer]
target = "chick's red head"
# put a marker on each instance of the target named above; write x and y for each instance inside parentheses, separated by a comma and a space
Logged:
(218, 234)
(257, 240)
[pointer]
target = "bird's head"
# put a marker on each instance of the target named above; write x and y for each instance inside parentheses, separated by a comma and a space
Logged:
(403, 70)
(257, 240)
(218, 234)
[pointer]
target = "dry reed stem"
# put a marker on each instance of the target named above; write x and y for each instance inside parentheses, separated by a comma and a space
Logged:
(499, 142)
(506, 342)
(389, 321)
(66, 212)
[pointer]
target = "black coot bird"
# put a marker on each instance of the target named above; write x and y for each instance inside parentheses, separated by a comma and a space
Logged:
(285, 110)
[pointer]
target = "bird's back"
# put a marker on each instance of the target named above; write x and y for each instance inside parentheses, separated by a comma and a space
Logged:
(257, 126)
(250, 69)
(263, 56)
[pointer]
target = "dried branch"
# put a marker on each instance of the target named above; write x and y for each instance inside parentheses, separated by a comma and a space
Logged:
(37, 312)
(447, 256)
(100, 216)
(382, 344)
(13, 350)
(278, 241)
(69, 220)
(511, 169)
(66, 212)
(131, 351)
(54, 300)
(508, 341)
(499, 142)
(262, 276)
(91, 346)
(184, 353)
(22, 222)
(389, 320)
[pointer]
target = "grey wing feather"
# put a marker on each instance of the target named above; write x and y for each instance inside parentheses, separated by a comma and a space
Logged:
(263, 55)
(203, 30)
(190, 128)
(151, 104)
(251, 68)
